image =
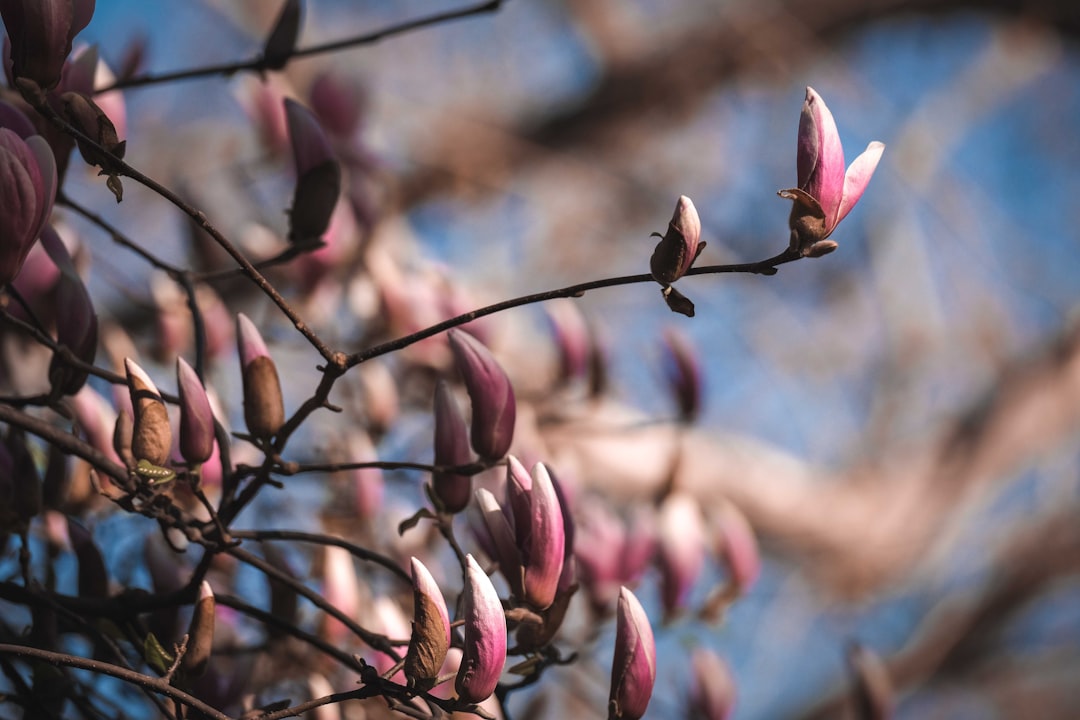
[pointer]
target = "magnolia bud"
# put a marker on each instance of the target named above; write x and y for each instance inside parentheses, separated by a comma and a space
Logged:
(484, 649)
(451, 448)
(196, 417)
(712, 689)
(200, 634)
(152, 436)
(430, 629)
(318, 175)
(41, 32)
(494, 409)
(633, 667)
(264, 409)
(680, 245)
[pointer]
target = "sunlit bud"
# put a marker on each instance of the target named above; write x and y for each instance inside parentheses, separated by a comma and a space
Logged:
(200, 634)
(318, 175)
(541, 538)
(874, 694)
(41, 32)
(451, 448)
(633, 666)
(484, 649)
(681, 536)
(93, 577)
(264, 409)
(680, 245)
(196, 417)
(738, 547)
(27, 190)
(500, 540)
(494, 409)
(341, 589)
(430, 637)
(683, 369)
(338, 104)
(151, 439)
(826, 193)
(712, 689)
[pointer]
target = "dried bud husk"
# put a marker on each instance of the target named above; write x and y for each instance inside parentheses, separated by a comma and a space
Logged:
(806, 221)
(200, 634)
(677, 302)
(122, 432)
(430, 638)
(152, 436)
(82, 112)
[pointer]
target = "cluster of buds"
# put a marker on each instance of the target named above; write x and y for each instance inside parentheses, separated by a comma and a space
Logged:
(526, 533)
(826, 192)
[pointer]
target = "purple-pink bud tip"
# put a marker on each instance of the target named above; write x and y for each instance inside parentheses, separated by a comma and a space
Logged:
(484, 649)
(633, 667)
(494, 409)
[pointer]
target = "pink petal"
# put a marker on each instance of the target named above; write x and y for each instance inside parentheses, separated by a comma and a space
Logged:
(858, 176)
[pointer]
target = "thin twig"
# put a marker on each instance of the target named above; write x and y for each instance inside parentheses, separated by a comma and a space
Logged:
(260, 64)
(104, 668)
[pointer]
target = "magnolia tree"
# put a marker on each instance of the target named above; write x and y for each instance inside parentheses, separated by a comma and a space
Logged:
(506, 572)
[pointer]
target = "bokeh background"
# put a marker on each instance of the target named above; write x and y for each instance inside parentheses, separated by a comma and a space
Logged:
(899, 420)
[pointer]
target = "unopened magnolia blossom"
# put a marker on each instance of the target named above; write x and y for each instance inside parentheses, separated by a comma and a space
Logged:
(826, 192)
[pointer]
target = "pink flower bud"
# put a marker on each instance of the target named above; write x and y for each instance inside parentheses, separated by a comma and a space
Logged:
(451, 448)
(318, 175)
(494, 409)
(76, 322)
(41, 32)
(498, 539)
(339, 105)
(196, 417)
(826, 193)
(683, 370)
(680, 245)
(27, 190)
(633, 667)
(738, 547)
(712, 689)
(541, 539)
(264, 409)
(152, 436)
(430, 629)
(681, 535)
(484, 649)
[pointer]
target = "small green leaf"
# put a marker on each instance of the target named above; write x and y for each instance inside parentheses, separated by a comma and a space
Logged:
(156, 656)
